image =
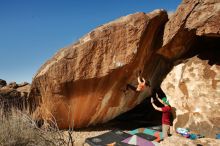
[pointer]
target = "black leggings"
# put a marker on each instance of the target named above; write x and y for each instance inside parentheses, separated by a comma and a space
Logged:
(129, 86)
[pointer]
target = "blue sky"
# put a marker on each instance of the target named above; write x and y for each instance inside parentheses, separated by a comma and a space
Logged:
(32, 31)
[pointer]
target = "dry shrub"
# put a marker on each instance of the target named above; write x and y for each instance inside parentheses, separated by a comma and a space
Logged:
(18, 129)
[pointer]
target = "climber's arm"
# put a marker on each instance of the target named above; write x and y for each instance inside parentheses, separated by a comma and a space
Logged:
(161, 101)
(139, 80)
(155, 107)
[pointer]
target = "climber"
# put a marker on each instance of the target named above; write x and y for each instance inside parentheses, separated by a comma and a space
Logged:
(141, 84)
(166, 116)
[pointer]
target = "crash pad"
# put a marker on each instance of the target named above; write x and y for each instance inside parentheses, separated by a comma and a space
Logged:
(109, 137)
(138, 141)
(151, 133)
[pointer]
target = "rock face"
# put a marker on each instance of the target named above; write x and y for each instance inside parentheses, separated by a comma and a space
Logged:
(193, 86)
(193, 89)
(85, 83)
(193, 20)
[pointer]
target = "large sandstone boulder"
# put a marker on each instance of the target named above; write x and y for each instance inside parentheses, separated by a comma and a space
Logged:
(194, 20)
(193, 86)
(84, 84)
(193, 89)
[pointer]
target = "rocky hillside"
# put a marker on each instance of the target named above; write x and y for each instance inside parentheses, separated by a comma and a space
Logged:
(85, 83)
(13, 95)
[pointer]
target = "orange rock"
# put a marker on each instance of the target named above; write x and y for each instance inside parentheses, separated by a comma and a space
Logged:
(84, 83)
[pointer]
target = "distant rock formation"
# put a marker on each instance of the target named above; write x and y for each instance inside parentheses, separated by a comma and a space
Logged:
(84, 84)
(2, 83)
(14, 96)
(193, 86)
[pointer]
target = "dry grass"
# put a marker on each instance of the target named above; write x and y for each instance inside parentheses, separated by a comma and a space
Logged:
(18, 129)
